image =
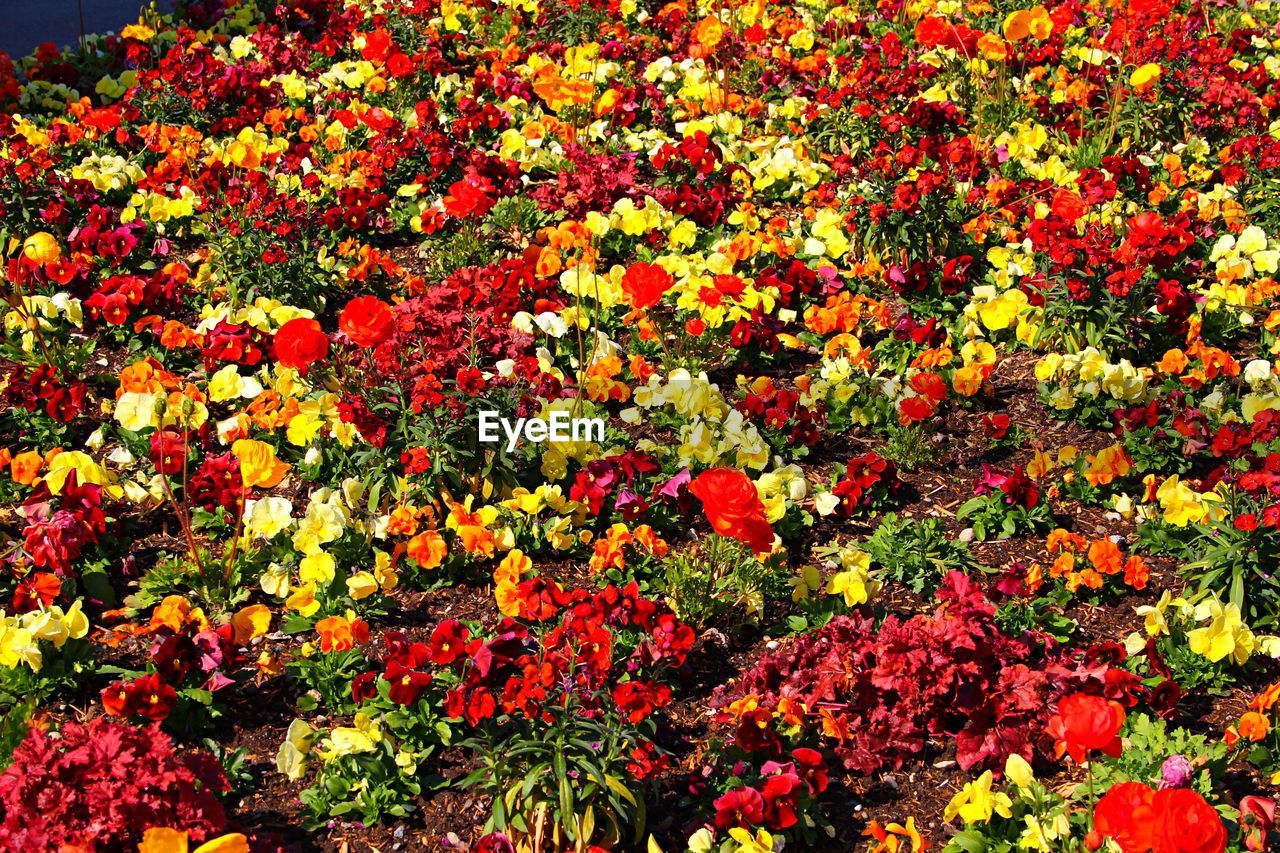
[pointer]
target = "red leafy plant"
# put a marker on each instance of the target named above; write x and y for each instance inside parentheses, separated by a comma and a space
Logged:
(884, 692)
(101, 785)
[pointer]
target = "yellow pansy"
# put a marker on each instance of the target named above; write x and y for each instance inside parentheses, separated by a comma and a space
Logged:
(1145, 74)
(267, 516)
(317, 568)
(977, 803)
(362, 584)
(1226, 635)
(855, 583)
(259, 467)
(303, 600)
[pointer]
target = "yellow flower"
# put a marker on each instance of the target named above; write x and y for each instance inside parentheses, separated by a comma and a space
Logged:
(761, 842)
(1144, 75)
(267, 516)
(303, 600)
(855, 583)
(317, 568)
(249, 622)
(291, 759)
(18, 645)
(364, 736)
(161, 839)
(259, 466)
(1018, 771)
(275, 581)
(977, 803)
(41, 248)
(1181, 504)
(1225, 635)
(87, 471)
(384, 572)
(362, 585)
(136, 411)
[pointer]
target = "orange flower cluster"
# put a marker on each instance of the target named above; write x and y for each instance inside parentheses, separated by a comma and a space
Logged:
(1088, 564)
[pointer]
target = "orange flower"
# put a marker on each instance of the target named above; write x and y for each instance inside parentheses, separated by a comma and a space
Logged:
(25, 467)
(708, 33)
(968, 379)
(1267, 699)
(1253, 726)
(339, 634)
(1136, 573)
(1105, 556)
(1107, 465)
(895, 837)
(1174, 362)
(428, 549)
(733, 507)
(1061, 540)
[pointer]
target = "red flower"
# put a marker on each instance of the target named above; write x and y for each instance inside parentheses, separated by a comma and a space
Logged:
(1126, 816)
(645, 284)
(1084, 723)
(1257, 819)
(168, 451)
(367, 321)
(1185, 823)
(740, 807)
(35, 591)
(300, 343)
(406, 684)
(465, 199)
(812, 768)
(150, 697)
(448, 642)
(733, 507)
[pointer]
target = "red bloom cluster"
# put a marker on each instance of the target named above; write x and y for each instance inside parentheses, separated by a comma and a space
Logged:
(868, 480)
(779, 797)
(100, 785)
(522, 671)
(952, 673)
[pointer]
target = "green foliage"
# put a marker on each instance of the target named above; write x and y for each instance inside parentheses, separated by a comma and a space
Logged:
(722, 585)
(563, 782)
(1149, 741)
(909, 447)
(917, 552)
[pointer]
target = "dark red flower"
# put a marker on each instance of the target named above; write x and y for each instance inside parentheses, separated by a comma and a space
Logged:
(740, 807)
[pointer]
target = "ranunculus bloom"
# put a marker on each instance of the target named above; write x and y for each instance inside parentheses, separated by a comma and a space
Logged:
(1085, 723)
(733, 507)
(300, 343)
(1185, 823)
(367, 321)
(1125, 815)
(645, 284)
